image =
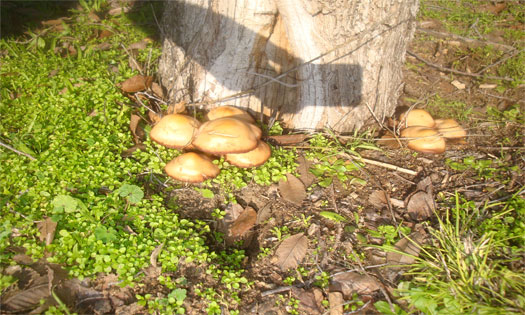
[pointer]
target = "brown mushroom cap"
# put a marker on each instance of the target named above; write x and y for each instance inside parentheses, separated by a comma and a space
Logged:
(416, 117)
(229, 111)
(450, 129)
(253, 158)
(423, 139)
(175, 131)
(225, 135)
(192, 167)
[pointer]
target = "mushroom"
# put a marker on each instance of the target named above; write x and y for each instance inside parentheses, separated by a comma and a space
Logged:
(225, 135)
(450, 129)
(423, 139)
(229, 111)
(175, 131)
(192, 167)
(416, 117)
(253, 158)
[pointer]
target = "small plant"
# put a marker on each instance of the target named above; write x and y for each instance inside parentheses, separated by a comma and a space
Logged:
(466, 268)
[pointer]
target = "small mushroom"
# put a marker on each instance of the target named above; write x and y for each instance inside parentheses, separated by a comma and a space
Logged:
(192, 167)
(423, 139)
(229, 111)
(175, 131)
(450, 129)
(225, 135)
(253, 158)
(416, 117)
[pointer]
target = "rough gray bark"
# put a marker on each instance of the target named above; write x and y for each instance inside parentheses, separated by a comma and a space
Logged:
(311, 64)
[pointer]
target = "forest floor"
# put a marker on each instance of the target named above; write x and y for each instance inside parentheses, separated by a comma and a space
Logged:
(359, 226)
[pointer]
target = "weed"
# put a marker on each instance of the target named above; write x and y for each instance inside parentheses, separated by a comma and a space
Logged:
(467, 268)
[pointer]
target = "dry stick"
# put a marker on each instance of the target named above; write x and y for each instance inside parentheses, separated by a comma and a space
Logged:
(16, 151)
(502, 60)
(389, 166)
(441, 68)
(132, 58)
(465, 39)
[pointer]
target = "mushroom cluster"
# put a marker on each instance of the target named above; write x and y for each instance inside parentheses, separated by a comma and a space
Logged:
(228, 132)
(426, 134)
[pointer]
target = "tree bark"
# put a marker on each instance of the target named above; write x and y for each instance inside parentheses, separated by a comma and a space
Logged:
(310, 64)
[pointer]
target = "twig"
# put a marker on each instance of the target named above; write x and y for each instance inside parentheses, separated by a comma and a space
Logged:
(138, 100)
(275, 291)
(500, 61)
(133, 59)
(443, 69)
(389, 166)
(273, 79)
(464, 39)
(503, 98)
(16, 151)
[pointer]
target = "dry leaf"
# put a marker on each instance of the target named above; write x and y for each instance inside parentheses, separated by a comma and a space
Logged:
(177, 108)
(47, 230)
(349, 283)
(336, 303)
(155, 254)
(307, 301)
(304, 171)
(378, 199)
(133, 126)
(52, 22)
(157, 90)
(291, 251)
(292, 189)
(408, 247)
(27, 299)
(388, 140)
(104, 34)
(138, 45)
(154, 117)
(136, 83)
(288, 139)
(421, 205)
(244, 222)
(263, 214)
(129, 152)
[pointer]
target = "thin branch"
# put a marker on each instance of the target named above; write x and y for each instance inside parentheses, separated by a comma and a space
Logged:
(16, 151)
(443, 69)
(502, 60)
(465, 39)
(273, 79)
(389, 166)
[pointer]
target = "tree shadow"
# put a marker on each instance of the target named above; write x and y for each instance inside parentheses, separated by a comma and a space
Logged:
(277, 78)
(19, 16)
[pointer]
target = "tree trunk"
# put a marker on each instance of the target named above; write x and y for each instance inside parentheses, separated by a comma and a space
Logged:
(310, 64)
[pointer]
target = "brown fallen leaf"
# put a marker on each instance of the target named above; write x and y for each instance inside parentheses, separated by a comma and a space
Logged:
(378, 199)
(304, 171)
(244, 222)
(136, 83)
(291, 251)
(26, 300)
(349, 283)
(336, 303)
(138, 45)
(157, 90)
(406, 250)
(292, 189)
(52, 22)
(133, 127)
(47, 229)
(129, 152)
(288, 139)
(177, 108)
(307, 301)
(155, 254)
(420, 206)
(104, 34)
(388, 140)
